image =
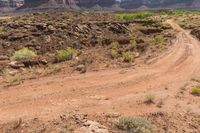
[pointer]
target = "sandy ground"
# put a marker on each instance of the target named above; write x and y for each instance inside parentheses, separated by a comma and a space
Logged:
(120, 90)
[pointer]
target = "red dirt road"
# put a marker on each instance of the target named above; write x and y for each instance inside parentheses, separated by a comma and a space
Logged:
(121, 90)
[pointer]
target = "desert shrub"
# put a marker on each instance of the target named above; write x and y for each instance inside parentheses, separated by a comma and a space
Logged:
(23, 53)
(159, 38)
(134, 125)
(115, 45)
(149, 99)
(114, 49)
(133, 45)
(127, 56)
(63, 55)
(15, 80)
(196, 91)
(114, 53)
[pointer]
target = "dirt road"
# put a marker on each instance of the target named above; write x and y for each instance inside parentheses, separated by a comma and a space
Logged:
(121, 90)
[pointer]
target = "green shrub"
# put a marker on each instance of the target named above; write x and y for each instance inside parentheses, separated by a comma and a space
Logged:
(127, 56)
(23, 53)
(196, 91)
(114, 53)
(134, 125)
(133, 44)
(64, 55)
(159, 38)
(115, 45)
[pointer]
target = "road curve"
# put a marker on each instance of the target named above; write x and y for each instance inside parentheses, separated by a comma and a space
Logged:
(105, 91)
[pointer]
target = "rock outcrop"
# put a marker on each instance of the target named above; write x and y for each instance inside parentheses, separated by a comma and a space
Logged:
(11, 3)
(69, 3)
(126, 4)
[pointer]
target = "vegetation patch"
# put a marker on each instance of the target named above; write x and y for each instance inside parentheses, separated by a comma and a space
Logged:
(134, 125)
(195, 91)
(64, 55)
(134, 15)
(23, 53)
(127, 56)
(114, 49)
(159, 38)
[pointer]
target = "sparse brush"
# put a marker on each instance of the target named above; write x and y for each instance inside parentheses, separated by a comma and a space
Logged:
(195, 91)
(159, 38)
(133, 45)
(22, 54)
(149, 99)
(64, 55)
(132, 16)
(114, 53)
(115, 45)
(16, 80)
(127, 56)
(134, 125)
(114, 49)
(51, 70)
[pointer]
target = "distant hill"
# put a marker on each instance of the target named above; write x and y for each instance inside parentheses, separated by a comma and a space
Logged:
(111, 4)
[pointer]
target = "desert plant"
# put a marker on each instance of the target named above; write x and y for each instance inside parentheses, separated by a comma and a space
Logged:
(115, 45)
(63, 55)
(114, 49)
(133, 44)
(149, 99)
(51, 70)
(16, 80)
(159, 38)
(127, 56)
(23, 53)
(134, 125)
(195, 91)
(114, 53)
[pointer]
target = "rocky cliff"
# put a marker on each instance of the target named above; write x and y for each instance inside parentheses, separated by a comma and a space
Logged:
(69, 3)
(11, 3)
(130, 4)
(127, 4)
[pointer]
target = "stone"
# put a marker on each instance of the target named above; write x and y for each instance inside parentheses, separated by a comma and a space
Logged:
(3, 57)
(82, 68)
(92, 127)
(16, 65)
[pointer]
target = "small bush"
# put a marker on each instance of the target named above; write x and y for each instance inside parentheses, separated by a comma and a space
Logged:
(22, 54)
(149, 99)
(133, 44)
(127, 56)
(159, 38)
(115, 45)
(134, 125)
(196, 91)
(114, 53)
(64, 55)
(16, 80)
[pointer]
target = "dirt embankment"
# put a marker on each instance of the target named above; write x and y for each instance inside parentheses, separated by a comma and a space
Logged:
(99, 41)
(167, 78)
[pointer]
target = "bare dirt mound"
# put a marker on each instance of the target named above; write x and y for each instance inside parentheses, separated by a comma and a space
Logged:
(119, 90)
